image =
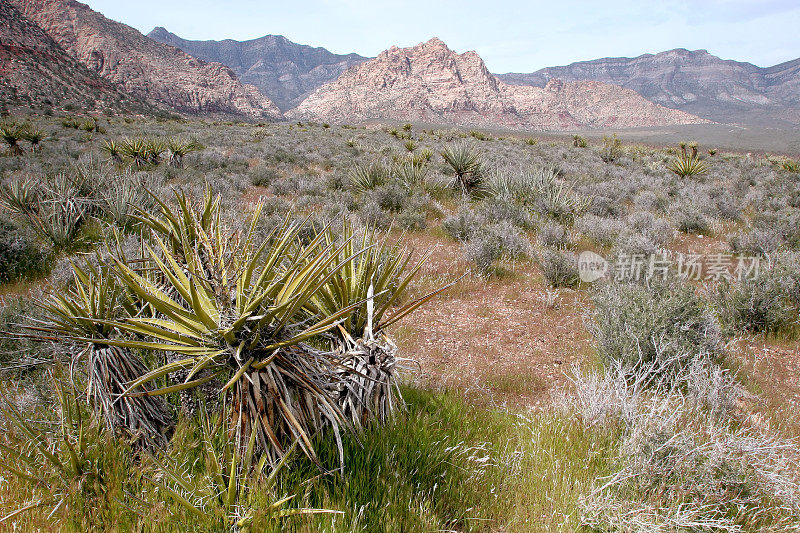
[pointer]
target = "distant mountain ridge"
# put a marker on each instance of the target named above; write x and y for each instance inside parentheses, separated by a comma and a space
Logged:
(431, 83)
(36, 71)
(154, 72)
(693, 81)
(284, 71)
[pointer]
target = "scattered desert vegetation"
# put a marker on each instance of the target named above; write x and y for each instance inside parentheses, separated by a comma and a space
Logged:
(315, 327)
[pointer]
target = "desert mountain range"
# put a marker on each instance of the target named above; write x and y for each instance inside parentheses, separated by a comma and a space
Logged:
(62, 51)
(431, 83)
(286, 71)
(159, 74)
(693, 81)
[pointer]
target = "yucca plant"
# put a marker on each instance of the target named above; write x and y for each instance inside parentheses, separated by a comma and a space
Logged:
(85, 315)
(137, 150)
(154, 148)
(241, 313)
(371, 284)
(366, 177)
(178, 148)
(231, 308)
(113, 149)
(11, 133)
(465, 160)
(688, 165)
(54, 207)
(233, 492)
(34, 136)
(411, 172)
(790, 165)
(124, 198)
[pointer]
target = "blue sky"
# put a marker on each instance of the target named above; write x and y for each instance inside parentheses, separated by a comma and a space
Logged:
(511, 36)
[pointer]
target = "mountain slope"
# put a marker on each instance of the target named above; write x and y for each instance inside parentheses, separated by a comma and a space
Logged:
(35, 70)
(152, 71)
(430, 82)
(692, 81)
(285, 71)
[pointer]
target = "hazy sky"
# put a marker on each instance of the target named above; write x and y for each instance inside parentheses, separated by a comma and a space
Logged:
(512, 35)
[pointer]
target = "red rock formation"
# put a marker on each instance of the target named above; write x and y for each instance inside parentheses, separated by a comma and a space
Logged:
(153, 71)
(429, 82)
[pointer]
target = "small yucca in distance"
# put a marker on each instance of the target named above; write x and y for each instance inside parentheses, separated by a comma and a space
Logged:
(465, 160)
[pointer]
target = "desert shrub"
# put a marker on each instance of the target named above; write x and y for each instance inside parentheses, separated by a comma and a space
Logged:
(649, 201)
(19, 253)
(17, 350)
(391, 196)
(630, 243)
(664, 322)
(604, 231)
(414, 213)
(553, 234)
(263, 176)
(657, 230)
(680, 469)
(757, 241)
(373, 215)
(688, 218)
(559, 267)
(501, 209)
(611, 149)
(494, 241)
(464, 224)
(766, 303)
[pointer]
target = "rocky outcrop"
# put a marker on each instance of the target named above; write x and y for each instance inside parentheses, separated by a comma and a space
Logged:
(431, 83)
(285, 71)
(36, 71)
(693, 81)
(155, 72)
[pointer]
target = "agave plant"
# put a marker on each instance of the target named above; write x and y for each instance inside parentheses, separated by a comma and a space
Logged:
(465, 160)
(179, 148)
(231, 492)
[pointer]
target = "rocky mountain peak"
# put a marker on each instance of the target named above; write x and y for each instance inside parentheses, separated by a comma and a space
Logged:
(430, 82)
(157, 73)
